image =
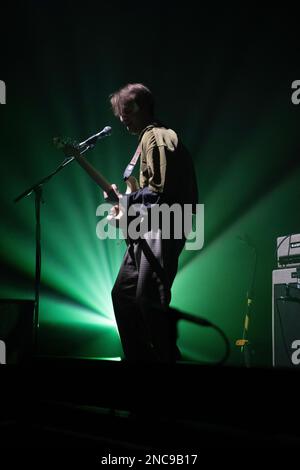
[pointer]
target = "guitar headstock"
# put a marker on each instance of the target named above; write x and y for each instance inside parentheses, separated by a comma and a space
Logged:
(69, 147)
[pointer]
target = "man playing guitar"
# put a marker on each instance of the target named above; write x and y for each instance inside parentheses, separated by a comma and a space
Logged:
(142, 290)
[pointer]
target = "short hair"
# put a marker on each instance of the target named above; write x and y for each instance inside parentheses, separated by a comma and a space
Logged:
(132, 92)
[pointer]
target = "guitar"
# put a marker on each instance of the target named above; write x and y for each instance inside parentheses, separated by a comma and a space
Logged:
(112, 194)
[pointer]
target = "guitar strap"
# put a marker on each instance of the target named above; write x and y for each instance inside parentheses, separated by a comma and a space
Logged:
(132, 163)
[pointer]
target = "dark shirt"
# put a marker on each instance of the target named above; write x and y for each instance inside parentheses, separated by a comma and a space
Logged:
(167, 173)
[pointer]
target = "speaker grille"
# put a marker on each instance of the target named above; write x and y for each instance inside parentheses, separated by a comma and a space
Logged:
(285, 319)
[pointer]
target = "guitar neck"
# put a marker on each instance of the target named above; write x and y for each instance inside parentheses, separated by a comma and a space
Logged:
(94, 174)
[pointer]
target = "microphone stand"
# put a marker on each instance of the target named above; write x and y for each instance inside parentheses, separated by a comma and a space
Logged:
(244, 343)
(37, 188)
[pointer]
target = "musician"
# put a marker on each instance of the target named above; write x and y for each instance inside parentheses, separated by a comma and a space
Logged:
(142, 291)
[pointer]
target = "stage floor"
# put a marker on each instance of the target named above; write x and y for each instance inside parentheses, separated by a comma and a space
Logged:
(59, 402)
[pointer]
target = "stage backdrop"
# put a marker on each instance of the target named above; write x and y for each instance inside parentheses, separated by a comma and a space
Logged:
(222, 79)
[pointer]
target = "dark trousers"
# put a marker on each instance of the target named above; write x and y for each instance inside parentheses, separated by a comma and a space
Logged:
(141, 296)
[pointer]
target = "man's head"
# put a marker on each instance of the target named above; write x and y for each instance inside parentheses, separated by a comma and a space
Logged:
(134, 105)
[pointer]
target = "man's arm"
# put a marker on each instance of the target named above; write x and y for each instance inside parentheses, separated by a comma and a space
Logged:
(152, 191)
(157, 165)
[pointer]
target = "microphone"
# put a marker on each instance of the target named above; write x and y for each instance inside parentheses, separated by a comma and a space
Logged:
(91, 141)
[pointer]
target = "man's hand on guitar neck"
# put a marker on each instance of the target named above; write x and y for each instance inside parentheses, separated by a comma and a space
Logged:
(111, 198)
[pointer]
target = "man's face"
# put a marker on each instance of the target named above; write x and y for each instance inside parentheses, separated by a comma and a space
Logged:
(132, 117)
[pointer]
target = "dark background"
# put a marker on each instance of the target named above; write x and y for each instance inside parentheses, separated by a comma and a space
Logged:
(222, 78)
